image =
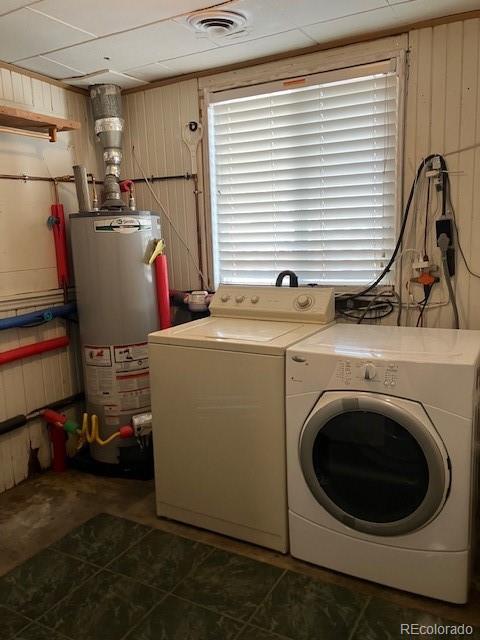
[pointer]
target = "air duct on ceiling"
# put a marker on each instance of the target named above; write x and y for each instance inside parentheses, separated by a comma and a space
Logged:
(109, 124)
(216, 23)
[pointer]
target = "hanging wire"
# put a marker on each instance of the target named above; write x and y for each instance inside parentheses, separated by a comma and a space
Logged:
(203, 278)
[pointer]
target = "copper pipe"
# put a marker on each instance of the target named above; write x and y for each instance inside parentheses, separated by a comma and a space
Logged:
(198, 224)
(69, 178)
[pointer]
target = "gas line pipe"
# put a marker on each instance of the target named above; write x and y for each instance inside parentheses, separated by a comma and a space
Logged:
(60, 421)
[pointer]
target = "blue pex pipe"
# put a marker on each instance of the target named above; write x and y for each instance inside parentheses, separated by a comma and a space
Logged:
(45, 315)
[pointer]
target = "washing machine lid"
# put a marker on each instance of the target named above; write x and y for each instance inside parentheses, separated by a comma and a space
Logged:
(236, 334)
(399, 343)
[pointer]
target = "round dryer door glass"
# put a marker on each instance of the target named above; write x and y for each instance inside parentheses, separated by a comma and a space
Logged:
(370, 466)
(374, 470)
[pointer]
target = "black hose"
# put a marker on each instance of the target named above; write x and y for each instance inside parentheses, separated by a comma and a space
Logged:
(386, 270)
(292, 279)
(12, 423)
(21, 420)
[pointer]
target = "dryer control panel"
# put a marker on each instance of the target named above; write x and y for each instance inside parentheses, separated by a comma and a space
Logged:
(378, 375)
(298, 304)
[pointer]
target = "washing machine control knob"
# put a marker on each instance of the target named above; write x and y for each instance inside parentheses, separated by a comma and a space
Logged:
(239, 299)
(254, 299)
(369, 371)
(304, 302)
(225, 298)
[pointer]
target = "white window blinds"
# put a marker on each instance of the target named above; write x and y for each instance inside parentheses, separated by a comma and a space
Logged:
(305, 179)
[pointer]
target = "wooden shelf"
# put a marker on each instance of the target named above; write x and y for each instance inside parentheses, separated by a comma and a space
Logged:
(37, 125)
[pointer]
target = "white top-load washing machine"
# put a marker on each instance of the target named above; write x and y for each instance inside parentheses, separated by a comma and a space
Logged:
(382, 454)
(218, 402)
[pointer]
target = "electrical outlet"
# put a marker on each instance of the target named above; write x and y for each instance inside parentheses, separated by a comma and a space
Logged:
(445, 225)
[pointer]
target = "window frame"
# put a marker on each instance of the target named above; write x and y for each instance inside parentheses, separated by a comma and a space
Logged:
(210, 94)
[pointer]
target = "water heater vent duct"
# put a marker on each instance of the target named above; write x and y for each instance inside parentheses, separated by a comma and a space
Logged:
(109, 125)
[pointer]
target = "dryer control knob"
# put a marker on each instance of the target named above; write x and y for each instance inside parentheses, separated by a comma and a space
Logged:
(239, 299)
(254, 299)
(369, 372)
(225, 298)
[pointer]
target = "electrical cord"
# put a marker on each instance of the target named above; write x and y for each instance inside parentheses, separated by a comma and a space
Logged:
(455, 225)
(425, 233)
(374, 300)
(460, 249)
(443, 243)
(375, 309)
(422, 309)
(170, 221)
(423, 304)
(398, 244)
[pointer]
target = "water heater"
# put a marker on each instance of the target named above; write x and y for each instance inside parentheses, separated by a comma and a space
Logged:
(115, 290)
(117, 310)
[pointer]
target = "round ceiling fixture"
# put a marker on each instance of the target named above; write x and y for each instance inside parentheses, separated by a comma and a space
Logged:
(217, 24)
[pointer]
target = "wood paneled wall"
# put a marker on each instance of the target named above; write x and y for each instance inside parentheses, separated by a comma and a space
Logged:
(28, 278)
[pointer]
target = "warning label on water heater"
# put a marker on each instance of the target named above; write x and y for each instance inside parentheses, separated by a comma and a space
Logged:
(117, 377)
(122, 225)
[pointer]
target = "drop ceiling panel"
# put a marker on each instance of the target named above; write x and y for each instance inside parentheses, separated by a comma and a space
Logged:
(110, 16)
(25, 34)
(293, 39)
(106, 76)
(153, 71)
(133, 48)
(40, 64)
(10, 5)
(311, 11)
(352, 25)
(425, 9)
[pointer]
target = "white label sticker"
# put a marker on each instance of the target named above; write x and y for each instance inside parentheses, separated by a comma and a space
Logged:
(98, 356)
(131, 352)
(117, 376)
(122, 225)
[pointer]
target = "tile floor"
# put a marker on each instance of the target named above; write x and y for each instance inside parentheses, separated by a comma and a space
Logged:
(141, 578)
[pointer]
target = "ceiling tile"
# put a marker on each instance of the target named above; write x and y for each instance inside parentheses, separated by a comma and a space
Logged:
(133, 48)
(25, 34)
(106, 76)
(352, 25)
(149, 72)
(40, 64)
(10, 5)
(268, 45)
(110, 16)
(424, 9)
(312, 11)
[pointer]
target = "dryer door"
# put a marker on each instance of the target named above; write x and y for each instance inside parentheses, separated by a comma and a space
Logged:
(375, 463)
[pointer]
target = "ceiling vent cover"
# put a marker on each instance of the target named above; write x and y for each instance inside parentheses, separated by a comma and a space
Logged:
(217, 24)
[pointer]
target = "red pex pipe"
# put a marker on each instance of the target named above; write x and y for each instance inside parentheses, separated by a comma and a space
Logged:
(59, 449)
(163, 293)
(53, 417)
(60, 241)
(33, 349)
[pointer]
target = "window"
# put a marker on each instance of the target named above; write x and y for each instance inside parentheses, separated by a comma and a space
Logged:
(304, 177)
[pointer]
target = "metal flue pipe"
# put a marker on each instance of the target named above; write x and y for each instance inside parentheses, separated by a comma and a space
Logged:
(81, 186)
(109, 124)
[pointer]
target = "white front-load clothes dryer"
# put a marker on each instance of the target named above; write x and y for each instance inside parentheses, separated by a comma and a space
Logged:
(218, 402)
(382, 454)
